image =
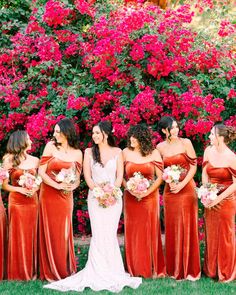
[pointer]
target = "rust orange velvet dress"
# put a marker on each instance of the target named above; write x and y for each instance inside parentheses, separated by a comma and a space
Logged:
(143, 246)
(181, 226)
(3, 240)
(56, 248)
(220, 252)
(22, 237)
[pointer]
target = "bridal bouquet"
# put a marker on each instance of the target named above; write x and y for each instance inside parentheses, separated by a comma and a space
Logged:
(208, 192)
(138, 183)
(172, 173)
(29, 181)
(3, 174)
(106, 194)
(67, 176)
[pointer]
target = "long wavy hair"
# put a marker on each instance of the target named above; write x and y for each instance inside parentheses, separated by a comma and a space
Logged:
(228, 132)
(143, 135)
(16, 146)
(165, 122)
(105, 127)
(67, 128)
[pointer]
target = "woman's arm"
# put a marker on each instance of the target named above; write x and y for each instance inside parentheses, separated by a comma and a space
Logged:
(119, 170)
(79, 160)
(87, 169)
(205, 178)
(175, 188)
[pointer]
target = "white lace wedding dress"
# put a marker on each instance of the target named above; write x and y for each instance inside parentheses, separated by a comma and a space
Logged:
(104, 269)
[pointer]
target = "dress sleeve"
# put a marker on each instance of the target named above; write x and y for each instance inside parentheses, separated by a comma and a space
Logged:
(204, 164)
(192, 161)
(78, 167)
(232, 171)
(44, 160)
(159, 165)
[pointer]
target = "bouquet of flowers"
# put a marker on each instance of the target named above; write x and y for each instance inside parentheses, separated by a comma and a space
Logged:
(172, 173)
(67, 176)
(208, 192)
(3, 174)
(138, 183)
(107, 194)
(29, 181)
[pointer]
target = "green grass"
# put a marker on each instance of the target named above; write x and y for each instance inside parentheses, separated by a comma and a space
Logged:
(149, 286)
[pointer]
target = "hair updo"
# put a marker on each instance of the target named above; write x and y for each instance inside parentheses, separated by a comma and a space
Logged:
(144, 137)
(165, 122)
(228, 132)
(105, 127)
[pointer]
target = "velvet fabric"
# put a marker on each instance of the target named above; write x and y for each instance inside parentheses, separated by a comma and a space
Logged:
(23, 224)
(56, 248)
(3, 240)
(181, 225)
(143, 246)
(220, 252)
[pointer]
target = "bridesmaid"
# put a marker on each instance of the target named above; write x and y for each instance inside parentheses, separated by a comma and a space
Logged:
(56, 248)
(143, 247)
(219, 167)
(180, 205)
(2, 240)
(22, 209)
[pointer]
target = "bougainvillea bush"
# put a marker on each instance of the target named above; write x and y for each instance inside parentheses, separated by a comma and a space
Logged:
(109, 60)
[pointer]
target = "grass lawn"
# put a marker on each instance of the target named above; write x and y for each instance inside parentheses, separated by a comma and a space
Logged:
(149, 286)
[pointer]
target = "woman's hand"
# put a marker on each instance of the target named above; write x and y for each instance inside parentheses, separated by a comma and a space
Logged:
(65, 187)
(25, 191)
(139, 196)
(211, 204)
(176, 187)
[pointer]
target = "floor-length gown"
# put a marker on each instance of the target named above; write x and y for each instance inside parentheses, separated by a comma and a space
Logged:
(143, 247)
(220, 252)
(56, 248)
(3, 240)
(22, 237)
(104, 269)
(181, 225)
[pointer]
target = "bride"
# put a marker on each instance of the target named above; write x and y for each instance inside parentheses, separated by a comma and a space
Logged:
(104, 269)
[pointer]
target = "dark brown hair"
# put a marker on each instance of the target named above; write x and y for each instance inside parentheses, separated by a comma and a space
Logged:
(228, 132)
(143, 135)
(105, 127)
(165, 122)
(68, 129)
(16, 145)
